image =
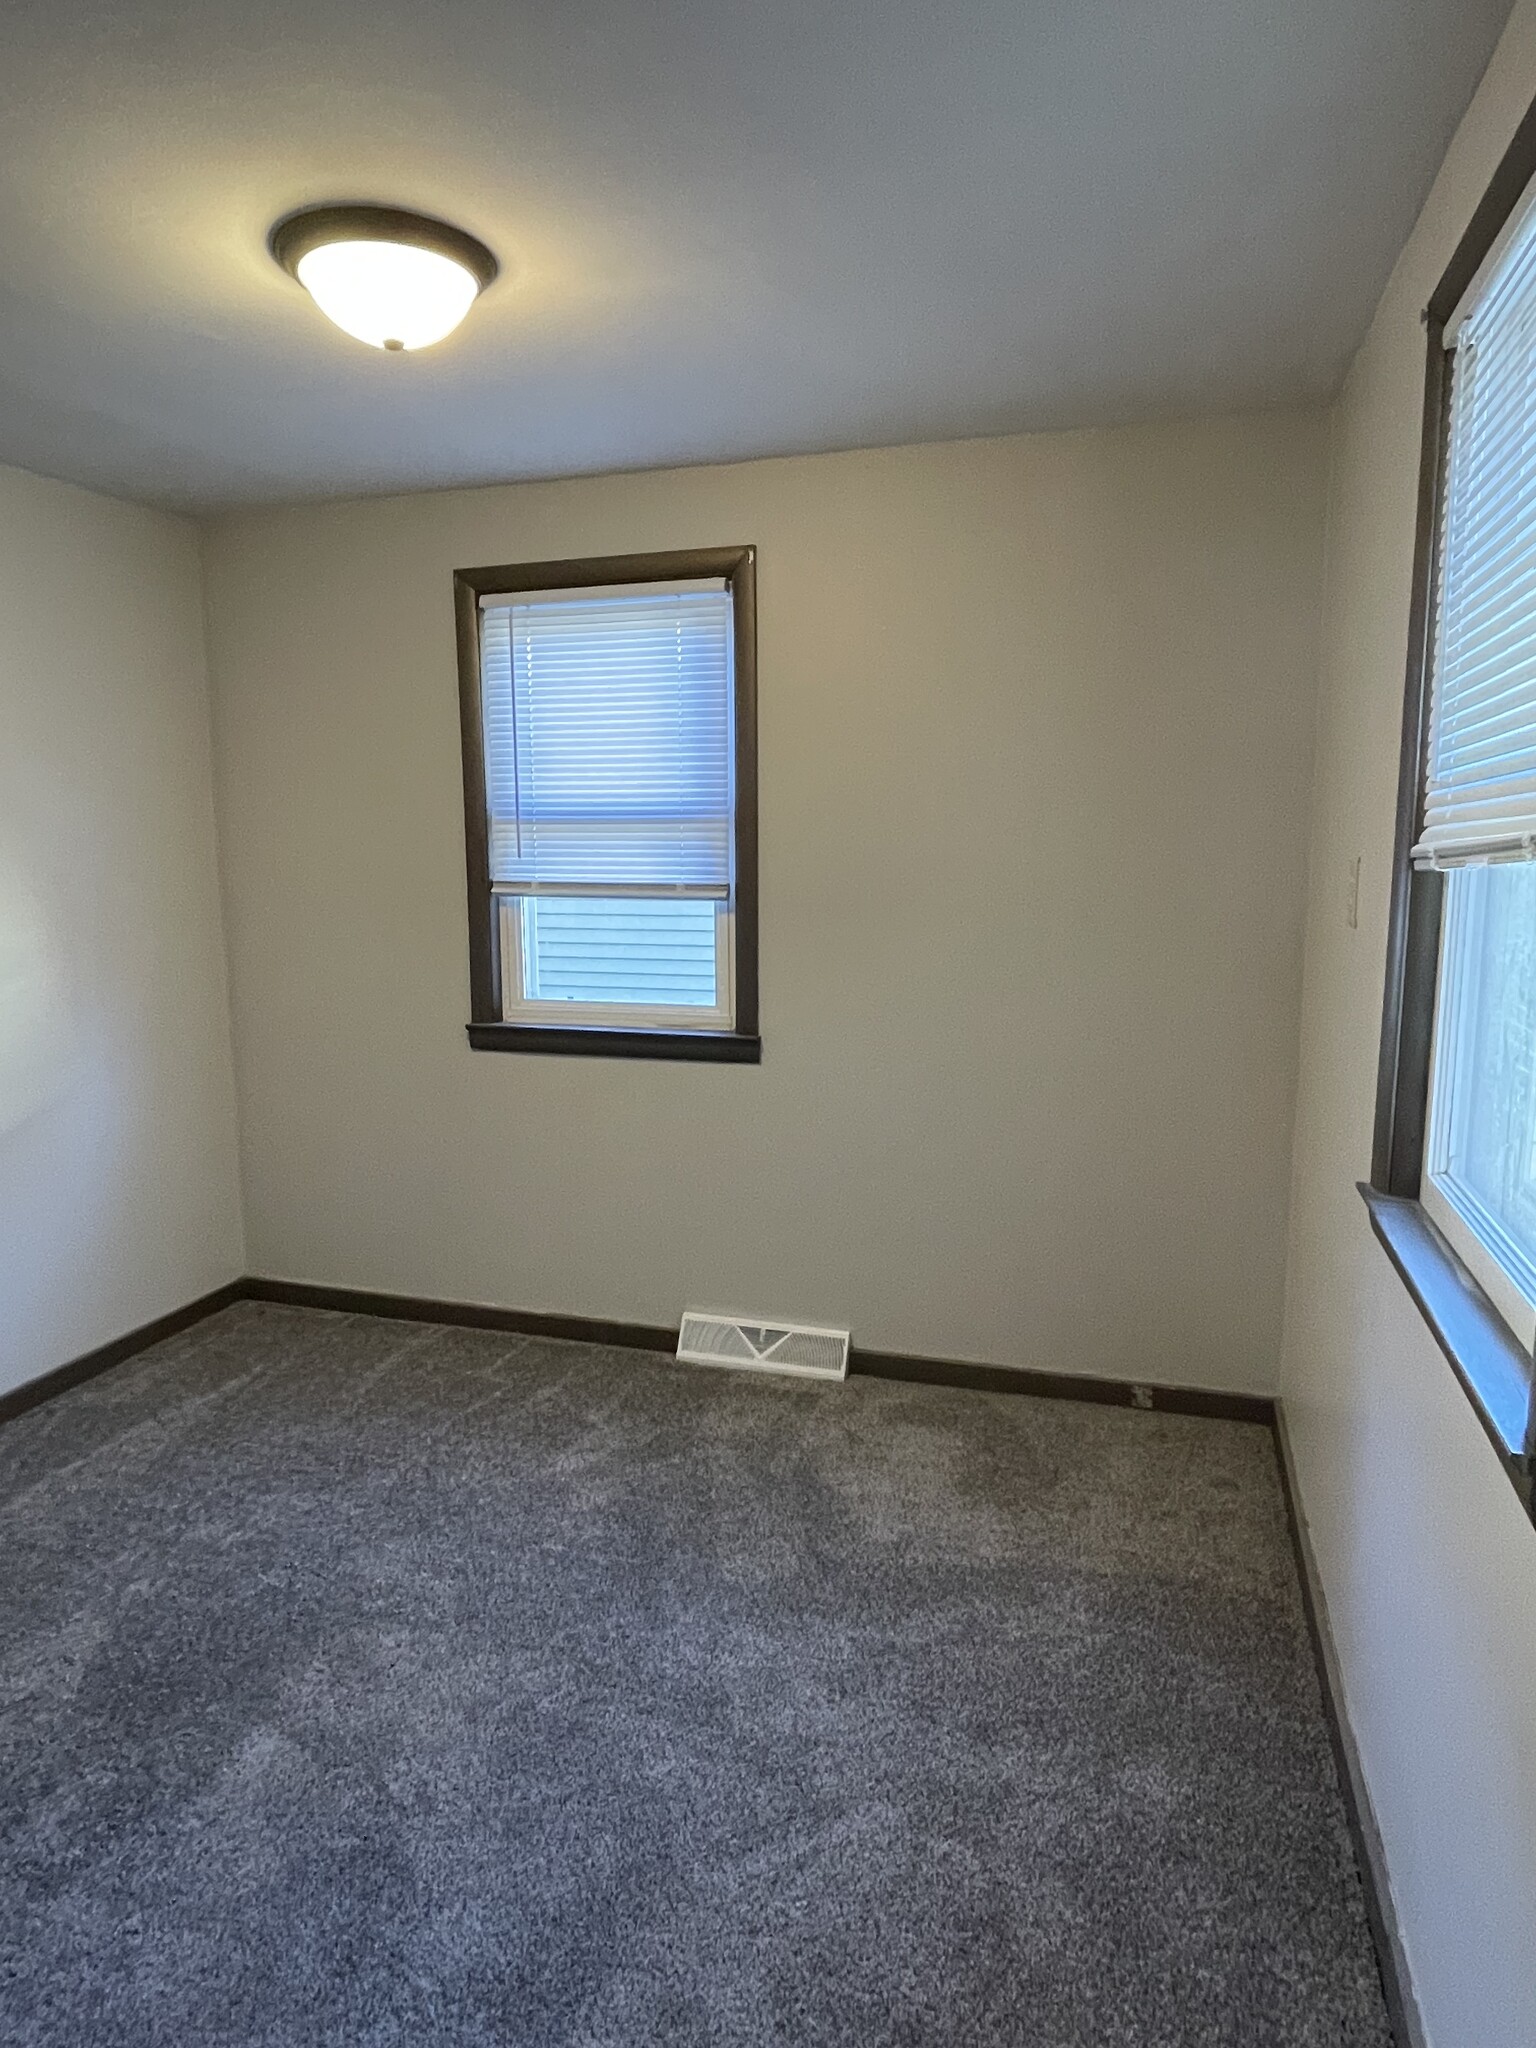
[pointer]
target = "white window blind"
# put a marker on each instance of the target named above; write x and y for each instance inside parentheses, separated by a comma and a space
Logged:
(1480, 787)
(608, 741)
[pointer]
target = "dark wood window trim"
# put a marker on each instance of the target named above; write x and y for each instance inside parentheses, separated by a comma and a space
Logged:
(1493, 1368)
(487, 1029)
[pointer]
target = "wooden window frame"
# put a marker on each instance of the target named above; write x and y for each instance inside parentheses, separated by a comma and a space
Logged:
(1493, 1367)
(487, 1030)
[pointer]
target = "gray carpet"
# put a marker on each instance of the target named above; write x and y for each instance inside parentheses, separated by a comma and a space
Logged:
(368, 1682)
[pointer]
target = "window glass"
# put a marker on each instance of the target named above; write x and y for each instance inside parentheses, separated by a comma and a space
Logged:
(1479, 800)
(617, 949)
(608, 720)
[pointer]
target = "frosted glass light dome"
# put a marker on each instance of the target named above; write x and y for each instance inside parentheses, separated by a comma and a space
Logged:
(387, 293)
(394, 280)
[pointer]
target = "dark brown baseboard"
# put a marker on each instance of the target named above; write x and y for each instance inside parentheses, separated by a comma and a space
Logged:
(34, 1392)
(890, 1365)
(1065, 1386)
(1370, 1855)
(468, 1315)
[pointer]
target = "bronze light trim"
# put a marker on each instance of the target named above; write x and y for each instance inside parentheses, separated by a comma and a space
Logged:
(312, 227)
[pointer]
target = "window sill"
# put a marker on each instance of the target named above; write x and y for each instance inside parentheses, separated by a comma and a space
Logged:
(734, 1048)
(1495, 1372)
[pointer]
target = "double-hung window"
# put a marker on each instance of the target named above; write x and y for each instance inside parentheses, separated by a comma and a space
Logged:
(1452, 1193)
(608, 716)
(1479, 801)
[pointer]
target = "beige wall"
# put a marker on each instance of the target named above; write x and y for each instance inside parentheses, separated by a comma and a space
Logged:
(1035, 728)
(1429, 1563)
(119, 1192)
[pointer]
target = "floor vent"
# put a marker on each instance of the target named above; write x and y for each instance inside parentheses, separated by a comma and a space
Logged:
(711, 1339)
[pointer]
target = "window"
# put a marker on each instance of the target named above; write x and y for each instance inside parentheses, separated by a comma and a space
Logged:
(1480, 1178)
(1479, 823)
(1452, 1193)
(608, 712)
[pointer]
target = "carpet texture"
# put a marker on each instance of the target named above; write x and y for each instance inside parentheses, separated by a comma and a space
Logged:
(368, 1682)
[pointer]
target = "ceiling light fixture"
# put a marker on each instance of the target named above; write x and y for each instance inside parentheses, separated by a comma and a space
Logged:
(395, 280)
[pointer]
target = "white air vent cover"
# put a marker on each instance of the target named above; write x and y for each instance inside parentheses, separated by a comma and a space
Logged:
(708, 1338)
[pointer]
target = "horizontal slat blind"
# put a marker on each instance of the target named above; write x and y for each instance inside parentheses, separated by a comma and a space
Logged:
(608, 739)
(1480, 785)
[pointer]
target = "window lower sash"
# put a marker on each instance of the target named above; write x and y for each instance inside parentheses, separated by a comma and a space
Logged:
(523, 1005)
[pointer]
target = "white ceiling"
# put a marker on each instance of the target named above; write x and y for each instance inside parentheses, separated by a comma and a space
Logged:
(735, 229)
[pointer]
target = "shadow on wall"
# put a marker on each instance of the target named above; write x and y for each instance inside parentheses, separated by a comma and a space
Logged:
(34, 1033)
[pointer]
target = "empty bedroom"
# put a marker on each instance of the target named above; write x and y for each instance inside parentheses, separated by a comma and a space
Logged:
(768, 1024)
